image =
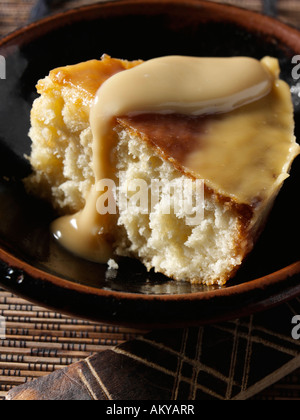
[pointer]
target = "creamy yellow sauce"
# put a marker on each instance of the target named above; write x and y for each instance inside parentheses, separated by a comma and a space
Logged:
(245, 154)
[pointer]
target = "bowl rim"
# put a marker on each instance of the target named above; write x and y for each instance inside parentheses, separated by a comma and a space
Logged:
(266, 24)
(248, 286)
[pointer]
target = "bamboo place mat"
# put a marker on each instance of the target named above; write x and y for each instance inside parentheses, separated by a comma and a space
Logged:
(254, 350)
(39, 342)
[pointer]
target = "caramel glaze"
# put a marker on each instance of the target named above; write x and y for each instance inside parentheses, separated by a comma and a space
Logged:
(89, 76)
(175, 135)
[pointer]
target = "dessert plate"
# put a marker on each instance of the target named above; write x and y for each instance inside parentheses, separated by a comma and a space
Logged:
(34, 266)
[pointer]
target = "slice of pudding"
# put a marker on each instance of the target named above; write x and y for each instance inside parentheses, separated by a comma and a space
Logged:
(196, 151)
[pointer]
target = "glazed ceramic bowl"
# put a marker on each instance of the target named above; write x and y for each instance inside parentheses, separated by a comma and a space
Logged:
(35, 267)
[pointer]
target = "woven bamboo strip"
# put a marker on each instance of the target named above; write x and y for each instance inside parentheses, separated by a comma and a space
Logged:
(3, 394)
(12, 372)
(64, 346)
(52, 351)
(41, 317)
(29, 367)
(67, 334)
(33, 359)
(63, 337)
(88, 330)
(8, 379)
(66, 325)
(10, 312)
(112, 341)
(12, 305)
(5, 294)
(9, 376)
(15, 380)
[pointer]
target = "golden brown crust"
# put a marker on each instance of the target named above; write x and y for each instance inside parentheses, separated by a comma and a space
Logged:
(88, 76)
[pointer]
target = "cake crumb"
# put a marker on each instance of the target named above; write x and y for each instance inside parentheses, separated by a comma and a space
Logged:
(112, 265)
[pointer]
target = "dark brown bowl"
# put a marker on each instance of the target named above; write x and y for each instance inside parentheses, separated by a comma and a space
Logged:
(35, 267)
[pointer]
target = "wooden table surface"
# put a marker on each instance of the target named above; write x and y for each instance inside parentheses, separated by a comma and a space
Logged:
(39, 341)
